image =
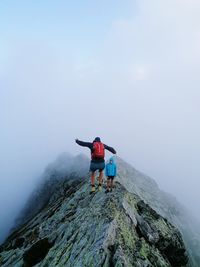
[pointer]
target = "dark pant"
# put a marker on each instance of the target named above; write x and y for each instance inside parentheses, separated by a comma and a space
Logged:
(97, 166)
(111, 177)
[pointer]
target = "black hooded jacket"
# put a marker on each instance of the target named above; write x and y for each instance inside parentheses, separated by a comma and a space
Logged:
(90, 146)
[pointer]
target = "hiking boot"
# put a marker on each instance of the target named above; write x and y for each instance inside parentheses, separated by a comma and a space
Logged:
(100, 187)
(93, 189)
(107, 190)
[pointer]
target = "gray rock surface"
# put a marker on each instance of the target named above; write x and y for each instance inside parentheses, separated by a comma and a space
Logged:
(75, 228)
(164, 204)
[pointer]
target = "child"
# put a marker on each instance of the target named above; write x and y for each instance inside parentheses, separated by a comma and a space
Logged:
(111, 172)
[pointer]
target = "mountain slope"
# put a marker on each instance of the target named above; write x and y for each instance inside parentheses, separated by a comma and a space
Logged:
(74, 228)
(165, 204)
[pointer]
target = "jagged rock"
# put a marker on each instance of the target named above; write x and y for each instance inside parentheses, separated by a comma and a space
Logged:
(75, 228)
(36, 253)
(164, 204)
(146, 230)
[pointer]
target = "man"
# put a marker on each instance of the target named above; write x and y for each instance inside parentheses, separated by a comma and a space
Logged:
(111, 172)
(97, 149)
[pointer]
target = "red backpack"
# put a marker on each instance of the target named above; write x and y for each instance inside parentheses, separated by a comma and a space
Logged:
(98, 150)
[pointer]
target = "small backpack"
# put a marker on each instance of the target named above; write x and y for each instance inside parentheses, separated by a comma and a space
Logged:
(98, 150)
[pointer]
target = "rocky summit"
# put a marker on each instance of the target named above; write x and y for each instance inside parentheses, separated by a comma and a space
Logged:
(71, 227)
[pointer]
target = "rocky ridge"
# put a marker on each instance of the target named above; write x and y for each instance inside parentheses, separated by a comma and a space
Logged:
(74, 228)
(164, 204)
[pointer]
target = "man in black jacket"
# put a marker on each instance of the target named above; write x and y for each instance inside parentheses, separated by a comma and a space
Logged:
(97, 162)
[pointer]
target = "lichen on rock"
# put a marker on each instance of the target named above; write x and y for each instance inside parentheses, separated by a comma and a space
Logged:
(75, 228)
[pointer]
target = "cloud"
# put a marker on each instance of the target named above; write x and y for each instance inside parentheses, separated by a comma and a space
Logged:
(155, 56)
(164, 35)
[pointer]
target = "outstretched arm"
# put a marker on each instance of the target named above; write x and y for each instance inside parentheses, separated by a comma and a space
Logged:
(111, 149)
(115, 170)
(106, 170)
(81, 143)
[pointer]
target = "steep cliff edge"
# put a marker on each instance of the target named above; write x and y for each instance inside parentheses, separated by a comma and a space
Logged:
(74, 228)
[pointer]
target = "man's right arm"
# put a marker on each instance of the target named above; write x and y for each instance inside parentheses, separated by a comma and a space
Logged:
(115, 170)
(111, 149)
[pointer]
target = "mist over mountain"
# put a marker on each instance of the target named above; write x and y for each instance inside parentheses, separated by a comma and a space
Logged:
(127, 71)
(133, 64)
(65, 164)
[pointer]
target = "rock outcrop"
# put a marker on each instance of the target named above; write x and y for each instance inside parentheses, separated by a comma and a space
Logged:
(164, 204)
(73, 228)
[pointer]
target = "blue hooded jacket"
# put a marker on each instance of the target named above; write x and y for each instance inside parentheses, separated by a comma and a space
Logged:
(111, 168)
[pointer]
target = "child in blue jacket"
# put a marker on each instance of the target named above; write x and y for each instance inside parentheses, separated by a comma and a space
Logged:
(111, 172)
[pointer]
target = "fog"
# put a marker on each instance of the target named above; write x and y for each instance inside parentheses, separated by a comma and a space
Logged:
(127, 71)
